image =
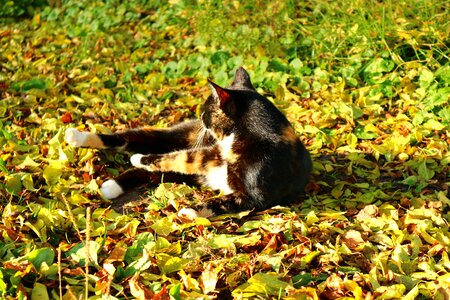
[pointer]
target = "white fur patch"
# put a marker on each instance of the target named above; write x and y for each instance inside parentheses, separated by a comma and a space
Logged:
(217, 179)
(111, 189)
(192, 213)
(75, 138)
(135, 160)
(226, 144)
(188, 213)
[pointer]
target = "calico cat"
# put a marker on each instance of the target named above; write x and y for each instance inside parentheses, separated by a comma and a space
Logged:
(243, 146)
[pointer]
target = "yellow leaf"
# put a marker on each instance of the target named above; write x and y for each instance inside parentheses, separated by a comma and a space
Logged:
(353, 240)
(209, 277)
(432, 124)
(39, 292)
(351, 140)
(52, 173)
(138, 290)
(311, 218)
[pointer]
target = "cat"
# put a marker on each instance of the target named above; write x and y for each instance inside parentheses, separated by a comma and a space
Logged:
(242, 145)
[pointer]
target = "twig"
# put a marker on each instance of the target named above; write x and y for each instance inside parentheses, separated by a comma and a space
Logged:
(88, 237)
(71, 217)
(59, 272)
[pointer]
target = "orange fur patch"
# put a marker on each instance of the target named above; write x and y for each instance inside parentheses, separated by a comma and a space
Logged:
(289, 134)
(93, 141)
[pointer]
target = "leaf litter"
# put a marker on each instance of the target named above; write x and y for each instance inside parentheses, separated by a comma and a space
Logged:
(369, 98)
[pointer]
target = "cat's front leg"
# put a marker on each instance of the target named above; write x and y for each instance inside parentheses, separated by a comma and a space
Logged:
(170, 162)
(192, 162)
(76, 138)
(191, 213)
(142, 161)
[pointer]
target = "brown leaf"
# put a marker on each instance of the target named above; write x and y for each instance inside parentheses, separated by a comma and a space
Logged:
(104, 281)
(4, 33)
(66, 118)
(86, 177)
(73, 272)
(334, 288)
(353, 239)
(273, 242)
(161, 295)
(369, 211)
(117, 254)
(139, 290)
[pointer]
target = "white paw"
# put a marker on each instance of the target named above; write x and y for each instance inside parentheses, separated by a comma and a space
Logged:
(136, 160)
(75, 138)
(188, 213)
(111, 189)
(192, 213)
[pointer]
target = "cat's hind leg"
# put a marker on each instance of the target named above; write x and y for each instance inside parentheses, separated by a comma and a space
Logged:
(135, 177)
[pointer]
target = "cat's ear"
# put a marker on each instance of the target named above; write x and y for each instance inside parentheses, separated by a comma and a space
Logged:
(220, 94)
(242, 79)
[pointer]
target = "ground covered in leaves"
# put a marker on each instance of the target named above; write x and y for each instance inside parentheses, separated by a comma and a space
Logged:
(365, 83)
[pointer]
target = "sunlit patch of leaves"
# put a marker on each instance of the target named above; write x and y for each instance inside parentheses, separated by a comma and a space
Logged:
(365, 83)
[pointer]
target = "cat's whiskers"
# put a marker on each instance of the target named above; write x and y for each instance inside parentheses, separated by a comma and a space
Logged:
(200, 136)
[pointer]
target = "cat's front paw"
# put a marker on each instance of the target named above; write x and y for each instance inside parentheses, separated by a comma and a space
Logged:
(135, 160)
(111, 189)
(190, 213)
(75, 138)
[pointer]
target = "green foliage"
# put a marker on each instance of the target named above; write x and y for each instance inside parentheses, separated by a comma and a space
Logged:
(20, 8)
(365, 83)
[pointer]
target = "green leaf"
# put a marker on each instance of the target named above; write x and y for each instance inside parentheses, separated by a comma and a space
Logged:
(2, 284)
(79, 254)
(249, 226)
(13, 184)
(39, 256)
(143, 241)
(29, 163)
(220, 58)
(137, 265)
(296, 64)
(164, 226)
(425, 171)
(52, 173)
(175, 291)
(300, 280)
(27, 181)
(39, 292)
(395, 291)
(261, 284)
(278, 65)
(432, 124)
(361, 133)
(222, 241)
(35, 83)
(307, 259)
(169, 264)
(426, 78)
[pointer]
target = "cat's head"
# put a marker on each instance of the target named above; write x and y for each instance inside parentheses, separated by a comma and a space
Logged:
(223, 110)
